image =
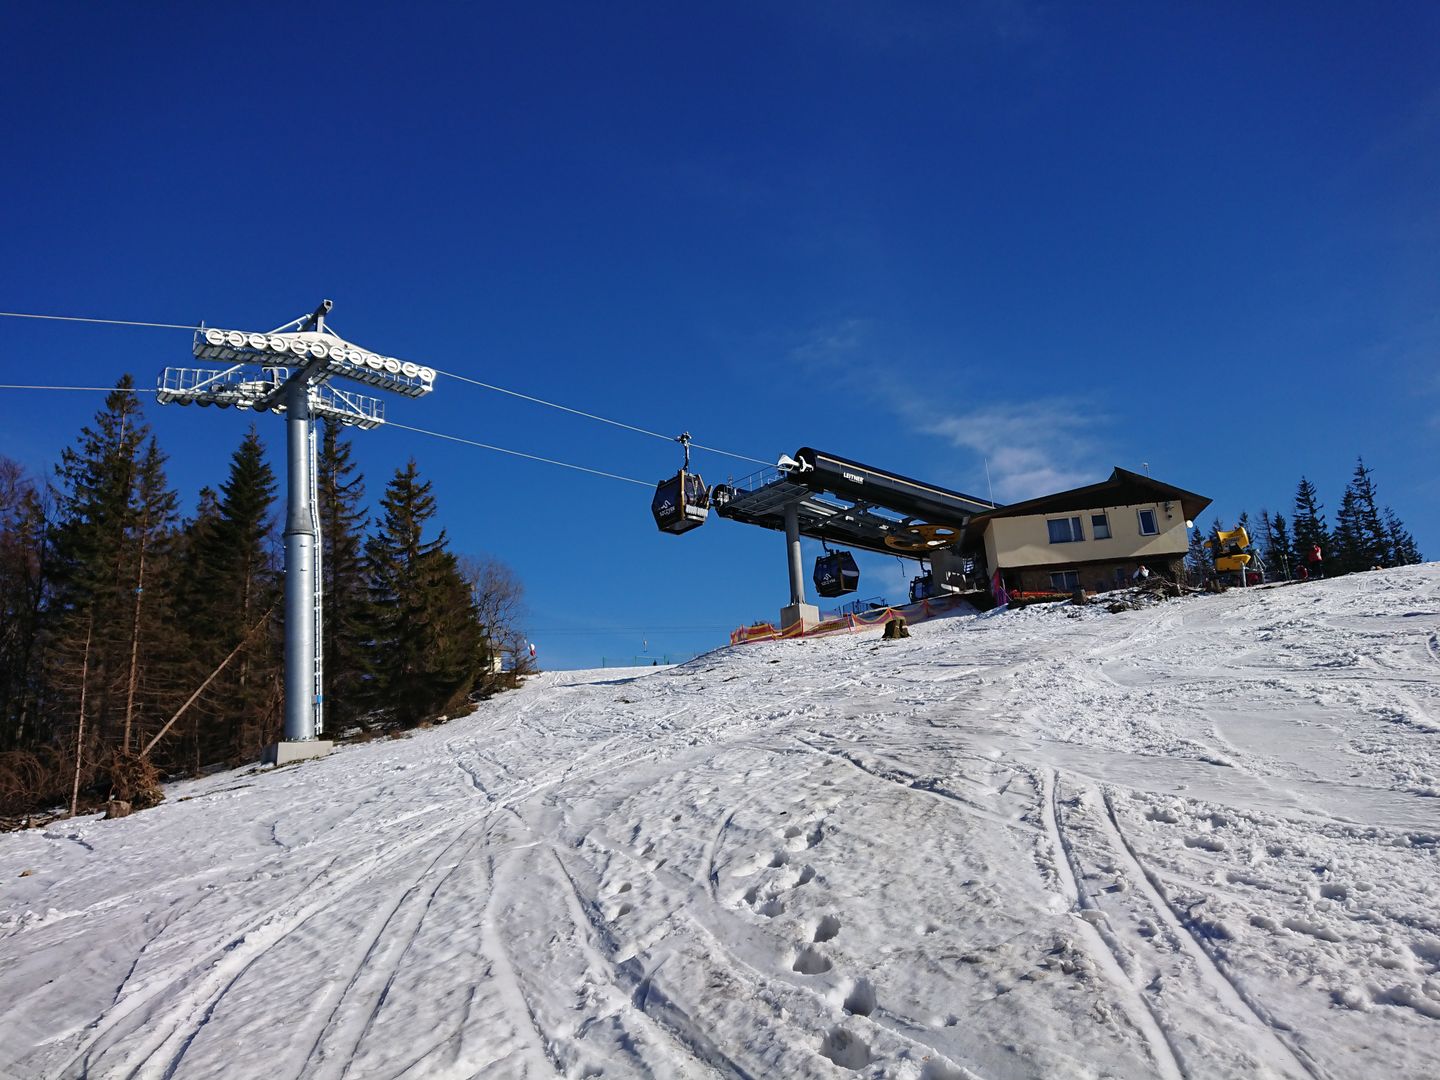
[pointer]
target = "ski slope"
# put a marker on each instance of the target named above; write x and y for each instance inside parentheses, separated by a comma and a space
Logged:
(1198, 840)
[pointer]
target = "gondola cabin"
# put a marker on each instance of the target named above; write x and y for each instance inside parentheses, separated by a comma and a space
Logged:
(681, 503)
(921, 588)
(836, 574)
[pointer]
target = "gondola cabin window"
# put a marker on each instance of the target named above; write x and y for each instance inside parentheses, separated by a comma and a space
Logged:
(1148, 527)
(1065, 530)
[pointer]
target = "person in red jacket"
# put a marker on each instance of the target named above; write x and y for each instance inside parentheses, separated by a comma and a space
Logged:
(1316, 561)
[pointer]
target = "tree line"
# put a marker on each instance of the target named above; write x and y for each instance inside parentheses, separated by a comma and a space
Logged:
(137, 642)
(1365, 534)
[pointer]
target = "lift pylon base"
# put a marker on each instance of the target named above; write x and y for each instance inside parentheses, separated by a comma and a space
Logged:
(807, 615)
(283, 753)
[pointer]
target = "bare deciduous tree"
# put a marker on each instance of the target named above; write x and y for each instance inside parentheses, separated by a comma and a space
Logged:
(499, 600)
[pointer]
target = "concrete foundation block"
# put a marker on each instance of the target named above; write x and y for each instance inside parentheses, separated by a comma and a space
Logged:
(283, 753)
(807, 615)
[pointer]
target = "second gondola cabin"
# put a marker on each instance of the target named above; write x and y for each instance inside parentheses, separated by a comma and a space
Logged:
(836, 574)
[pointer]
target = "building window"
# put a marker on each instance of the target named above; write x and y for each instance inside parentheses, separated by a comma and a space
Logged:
(1100, 526)
(1065, 581)
(1147, 523)
(1065, 530)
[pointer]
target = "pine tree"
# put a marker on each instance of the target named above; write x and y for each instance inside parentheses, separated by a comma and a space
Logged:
(23, 548)
(232, 582)
(185, 749)
(1199, 562)
(152, 581)
(426, 640)
(341, 493)
(1402, 548)
(114, 518)
(93, 515)
(1372, 539)
(1347, 548)
(1277, 546)
(1309, 524)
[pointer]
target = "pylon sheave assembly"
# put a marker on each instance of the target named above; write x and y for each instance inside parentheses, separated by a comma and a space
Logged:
(287, 371)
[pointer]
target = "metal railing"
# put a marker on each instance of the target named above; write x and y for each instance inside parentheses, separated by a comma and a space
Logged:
(243, 388)
(855, 607)
(757, 479)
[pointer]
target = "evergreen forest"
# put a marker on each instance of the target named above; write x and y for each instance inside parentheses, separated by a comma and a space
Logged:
(137, 643)
(1366, 535)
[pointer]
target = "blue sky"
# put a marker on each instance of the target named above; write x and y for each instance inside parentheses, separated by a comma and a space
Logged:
(1052, 237)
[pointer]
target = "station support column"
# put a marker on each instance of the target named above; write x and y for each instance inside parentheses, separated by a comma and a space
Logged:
(798, 611)
(792, 545)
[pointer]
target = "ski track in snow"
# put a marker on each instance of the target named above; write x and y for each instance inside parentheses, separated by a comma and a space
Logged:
(1198, 840)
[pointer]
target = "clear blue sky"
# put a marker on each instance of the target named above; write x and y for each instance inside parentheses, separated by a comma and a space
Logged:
(1062, 237)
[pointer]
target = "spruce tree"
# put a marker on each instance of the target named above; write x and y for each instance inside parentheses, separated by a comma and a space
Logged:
(23, 547)
(114, 518)
(426, 640)
(1199, 561)
(1308, 523)
(1347, 547)
(341, 492)
(233, 583)
(185, 748)
(1371, 537)
(1278, 557)
(1402, 548)
(152, 579)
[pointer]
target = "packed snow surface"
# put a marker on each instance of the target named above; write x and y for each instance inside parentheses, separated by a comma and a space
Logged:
(1196, 840)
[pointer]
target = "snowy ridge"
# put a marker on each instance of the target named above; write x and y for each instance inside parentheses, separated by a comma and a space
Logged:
(1200, 840)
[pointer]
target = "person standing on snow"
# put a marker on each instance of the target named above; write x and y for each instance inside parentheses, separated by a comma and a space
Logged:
(1316, 561)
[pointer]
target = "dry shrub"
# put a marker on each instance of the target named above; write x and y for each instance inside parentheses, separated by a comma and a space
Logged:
(33, 781)
(133, 779)
(21, 780)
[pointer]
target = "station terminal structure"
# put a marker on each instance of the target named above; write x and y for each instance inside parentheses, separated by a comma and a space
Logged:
(836, 501)
(1087, 539)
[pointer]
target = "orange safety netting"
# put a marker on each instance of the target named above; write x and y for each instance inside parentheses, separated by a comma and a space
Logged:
(916, 612)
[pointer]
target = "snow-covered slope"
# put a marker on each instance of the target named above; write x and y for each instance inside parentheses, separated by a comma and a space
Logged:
(1201, 840)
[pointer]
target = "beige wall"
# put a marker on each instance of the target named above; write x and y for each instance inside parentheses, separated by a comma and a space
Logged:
(1025, 541)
